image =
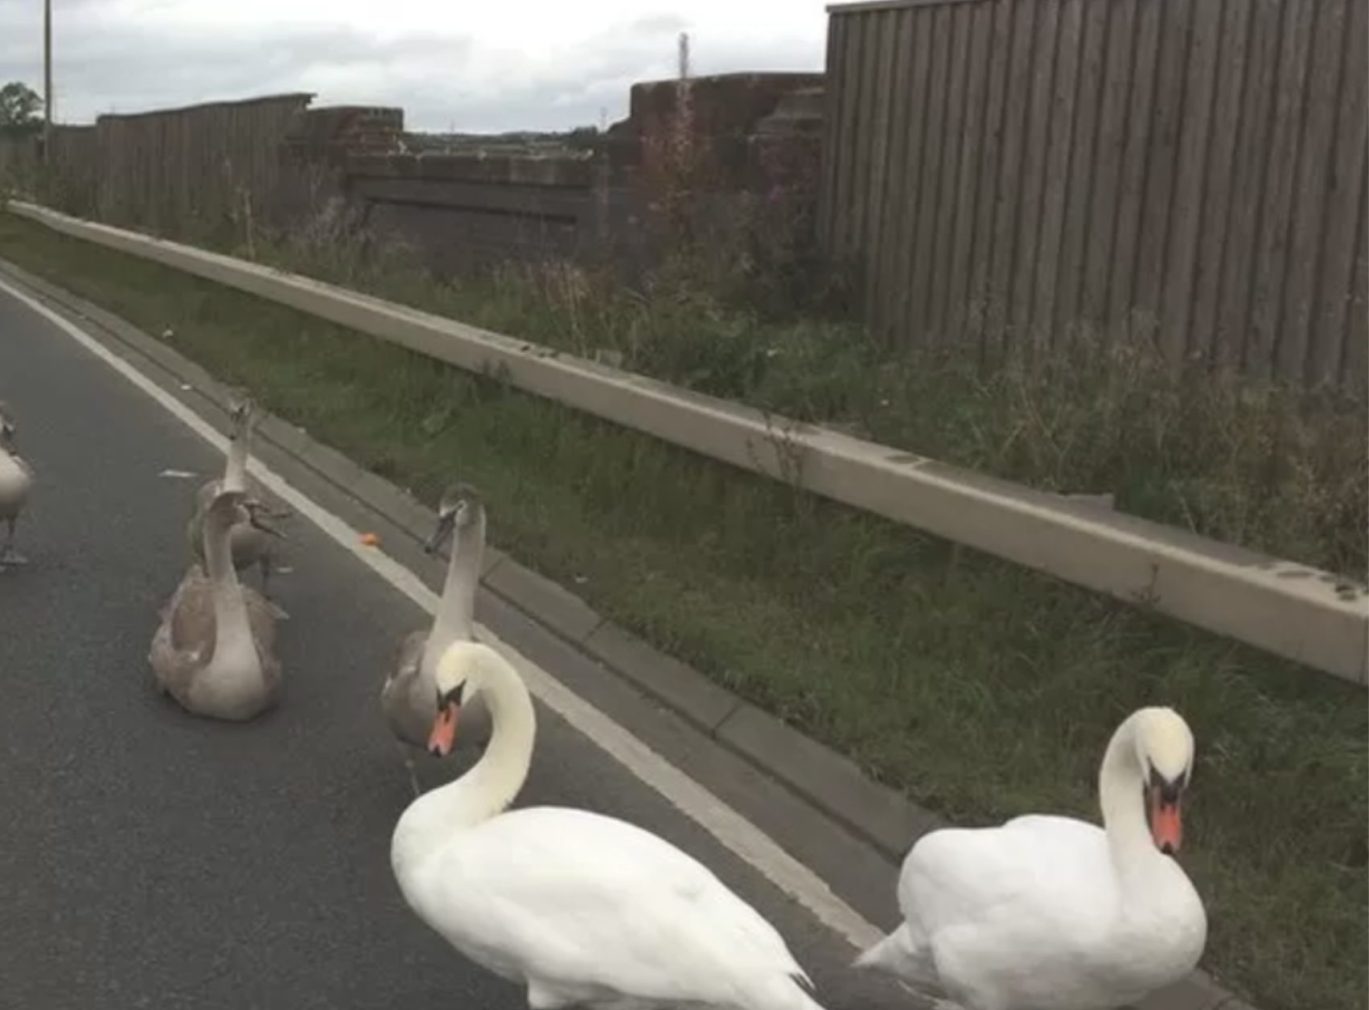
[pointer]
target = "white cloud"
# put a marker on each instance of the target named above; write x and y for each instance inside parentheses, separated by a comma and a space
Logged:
(487, 66)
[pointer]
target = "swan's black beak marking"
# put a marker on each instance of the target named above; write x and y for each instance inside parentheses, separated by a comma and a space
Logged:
(1162, 804)
(445, 522)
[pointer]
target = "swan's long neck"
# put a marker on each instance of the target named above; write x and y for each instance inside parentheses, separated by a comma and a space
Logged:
(1121, 786)
(456, 610)
(235, 469)
(488, 788)
(232, 632)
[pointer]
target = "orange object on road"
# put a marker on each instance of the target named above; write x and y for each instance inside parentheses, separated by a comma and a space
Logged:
(370, 539)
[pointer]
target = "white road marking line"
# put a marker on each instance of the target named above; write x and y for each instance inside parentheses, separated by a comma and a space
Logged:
(729, 827)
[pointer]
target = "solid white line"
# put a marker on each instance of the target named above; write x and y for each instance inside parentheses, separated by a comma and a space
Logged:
(725, 824)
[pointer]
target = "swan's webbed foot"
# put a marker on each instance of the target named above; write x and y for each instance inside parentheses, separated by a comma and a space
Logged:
(9, 557)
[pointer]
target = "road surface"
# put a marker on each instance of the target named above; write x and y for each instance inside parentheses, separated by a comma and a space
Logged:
(152, 859)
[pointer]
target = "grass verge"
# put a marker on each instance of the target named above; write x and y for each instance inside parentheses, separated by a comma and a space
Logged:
(1242, 461)
(981, 688)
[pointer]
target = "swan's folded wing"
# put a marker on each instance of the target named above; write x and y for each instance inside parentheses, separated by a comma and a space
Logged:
(596, 906)
(262, 615)
(1038, 872)
(191, 612)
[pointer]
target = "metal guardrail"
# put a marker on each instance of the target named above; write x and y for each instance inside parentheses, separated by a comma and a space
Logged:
(1298, 612)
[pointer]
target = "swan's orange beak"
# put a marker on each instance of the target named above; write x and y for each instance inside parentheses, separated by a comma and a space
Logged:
(443, 734)
(1166, 824)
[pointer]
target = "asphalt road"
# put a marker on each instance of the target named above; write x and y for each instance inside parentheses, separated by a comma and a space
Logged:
(149, 858)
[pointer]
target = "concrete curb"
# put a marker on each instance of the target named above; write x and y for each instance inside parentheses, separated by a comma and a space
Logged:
(823, 779)
(1292, 610)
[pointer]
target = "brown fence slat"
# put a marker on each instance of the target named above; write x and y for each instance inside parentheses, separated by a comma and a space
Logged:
(1127, 231)
(1281, 156)
(1046, 250)
(861, 207)
(1078, 185)
(986, 202)
(1196, 153)
(904, 264)
(1157, 199)
(1308, 223)
(1040, 124)
(1247, 183)
(843, 220)
(962, 22)
(887, 312)
(1355, 357)
(1009, 189)
(1117, 69)
(849, 205)
(831, 130)
(1347, 168)
(971, 165)
(880, 129)
(933, 144)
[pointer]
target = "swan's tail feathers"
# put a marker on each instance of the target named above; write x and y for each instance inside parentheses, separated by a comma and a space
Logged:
(794, 991)
(910, 963)
(897, 954)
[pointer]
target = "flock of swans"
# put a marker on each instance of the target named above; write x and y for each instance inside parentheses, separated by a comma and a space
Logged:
(1041, 913)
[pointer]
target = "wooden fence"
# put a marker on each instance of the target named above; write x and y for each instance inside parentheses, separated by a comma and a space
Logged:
(178, 170)
(73, 177)
(1034, 170)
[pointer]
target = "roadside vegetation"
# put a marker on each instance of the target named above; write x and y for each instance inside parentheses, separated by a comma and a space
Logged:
(980, 688)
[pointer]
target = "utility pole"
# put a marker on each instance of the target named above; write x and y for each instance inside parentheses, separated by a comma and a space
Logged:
(47, 81)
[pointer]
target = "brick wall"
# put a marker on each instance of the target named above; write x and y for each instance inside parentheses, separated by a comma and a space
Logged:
(475, 208)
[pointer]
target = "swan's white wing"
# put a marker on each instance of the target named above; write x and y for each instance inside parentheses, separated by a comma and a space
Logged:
(587, 905)
(1004, 905)
(1038, 867)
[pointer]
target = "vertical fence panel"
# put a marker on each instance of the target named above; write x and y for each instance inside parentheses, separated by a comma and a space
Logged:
(977, 311)
(971, 165)
(881, 119)
(1044, 250)
(1008, 194)
(832, 149)
(1355, 356)
(937, 22)
(903, 259)
(1039, 126)
(952, 165)
(1107, 168)
(887, 310)
(1078, 184)
(1048, 167)
(1271, 250)
(1135, 152)
(1157, 195)
(1197, 148)
(1307, 214)
(1330, 317)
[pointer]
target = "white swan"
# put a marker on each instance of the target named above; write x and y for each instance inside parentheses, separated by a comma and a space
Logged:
(16, 481)
(1052, 913)
(582, 909)
(409, 697)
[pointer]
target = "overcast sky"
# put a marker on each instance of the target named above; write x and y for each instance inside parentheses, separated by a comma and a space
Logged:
(481, 66)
